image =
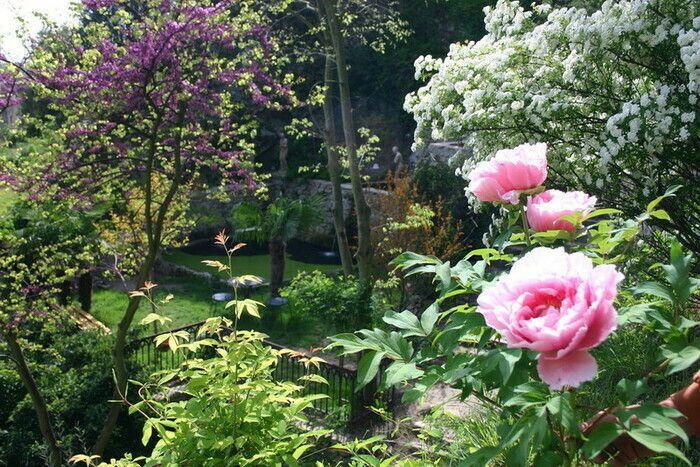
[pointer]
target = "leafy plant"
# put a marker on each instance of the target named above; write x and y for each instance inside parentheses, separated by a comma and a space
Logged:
(73, 371)
(338, 299)
(537, 424)
(229, 411)
(405, 220)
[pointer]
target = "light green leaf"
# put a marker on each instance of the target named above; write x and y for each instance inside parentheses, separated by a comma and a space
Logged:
(678, 273)
(429, 318)
(562, 411)
(350, 343)
(409, 259)
(602, 212)
(314, 378)
(683, 359)
(443, 273)
(636, 313)
(367, 368)
(399, 372)
(300, 451)
(507, 359)
(670, 192)
(405, 321)
(600, 438)
(655, 289)
(660, 418)
(153, 317)
(656, 441)
(147, 432)
(660, 214)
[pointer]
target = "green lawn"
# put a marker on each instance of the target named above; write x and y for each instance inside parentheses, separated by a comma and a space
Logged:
(193, 303)
(7, 198)
(258, 265)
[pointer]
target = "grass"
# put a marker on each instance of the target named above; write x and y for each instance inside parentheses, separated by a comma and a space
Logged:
(7, 199)
(258, 265)
(192, 302)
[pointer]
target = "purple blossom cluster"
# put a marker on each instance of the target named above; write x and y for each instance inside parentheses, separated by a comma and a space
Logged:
(169, 87)
(11, 84)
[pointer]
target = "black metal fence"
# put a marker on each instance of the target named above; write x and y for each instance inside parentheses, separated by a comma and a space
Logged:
(343, 408)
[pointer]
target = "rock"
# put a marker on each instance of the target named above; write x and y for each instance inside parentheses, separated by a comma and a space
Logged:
(444, 151)
(443, 396)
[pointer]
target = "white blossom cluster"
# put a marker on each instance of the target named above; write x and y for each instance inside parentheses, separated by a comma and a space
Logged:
(614, 93)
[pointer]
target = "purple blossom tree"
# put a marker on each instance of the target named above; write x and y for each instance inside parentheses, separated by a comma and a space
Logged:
(159, 89)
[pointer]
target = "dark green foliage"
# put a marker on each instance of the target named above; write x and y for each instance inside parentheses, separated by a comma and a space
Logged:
(435, 179)
(380, 81)
(73, 371)
(340, 300)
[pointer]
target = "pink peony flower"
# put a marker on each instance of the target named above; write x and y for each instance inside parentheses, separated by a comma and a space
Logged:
(557, 304)
(510, 171)
(545, 210)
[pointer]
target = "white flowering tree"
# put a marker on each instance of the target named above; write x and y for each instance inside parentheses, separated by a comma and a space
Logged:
(614, 94)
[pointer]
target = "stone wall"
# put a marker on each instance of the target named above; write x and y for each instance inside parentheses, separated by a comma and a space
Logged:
(324, 233)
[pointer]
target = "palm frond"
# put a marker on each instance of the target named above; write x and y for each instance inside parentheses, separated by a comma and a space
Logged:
(283, 218)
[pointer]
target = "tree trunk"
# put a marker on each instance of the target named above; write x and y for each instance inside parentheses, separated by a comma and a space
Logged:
(119, 359)
(278, 248)
(42, 411)
(154, 235)
(341, 234)
(364, 245)
(64, 293)
(85, 291)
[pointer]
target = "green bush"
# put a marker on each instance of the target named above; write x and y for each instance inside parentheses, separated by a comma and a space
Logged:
(73, 371)
(338, 299)
(234, 412)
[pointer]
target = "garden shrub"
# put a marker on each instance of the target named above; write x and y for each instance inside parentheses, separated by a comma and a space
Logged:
(338, 299)
(74, 372)
(231, 410)
(405, 220)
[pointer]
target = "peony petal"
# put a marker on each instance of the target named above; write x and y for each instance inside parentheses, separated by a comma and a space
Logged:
(486, 189)
(570, 370)
(512, 197)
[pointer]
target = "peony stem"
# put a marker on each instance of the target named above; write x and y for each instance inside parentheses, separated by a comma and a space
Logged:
(526, 226)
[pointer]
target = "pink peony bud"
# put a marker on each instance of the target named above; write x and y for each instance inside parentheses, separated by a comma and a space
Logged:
(545, 210)
(510, 171)
(557, 304)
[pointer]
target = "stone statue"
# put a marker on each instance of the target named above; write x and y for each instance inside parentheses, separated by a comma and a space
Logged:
(398, 160)
(284, 148)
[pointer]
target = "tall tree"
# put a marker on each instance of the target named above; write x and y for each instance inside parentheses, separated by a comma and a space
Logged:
(364, 243)
(334, 170)
(160, 90)
(302, 26)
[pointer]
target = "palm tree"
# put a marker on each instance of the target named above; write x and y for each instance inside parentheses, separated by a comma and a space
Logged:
(276, 224)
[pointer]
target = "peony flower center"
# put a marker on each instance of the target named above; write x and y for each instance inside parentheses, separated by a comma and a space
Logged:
(544, 302)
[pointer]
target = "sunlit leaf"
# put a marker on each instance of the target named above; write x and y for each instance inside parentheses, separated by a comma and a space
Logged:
(367, 368)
